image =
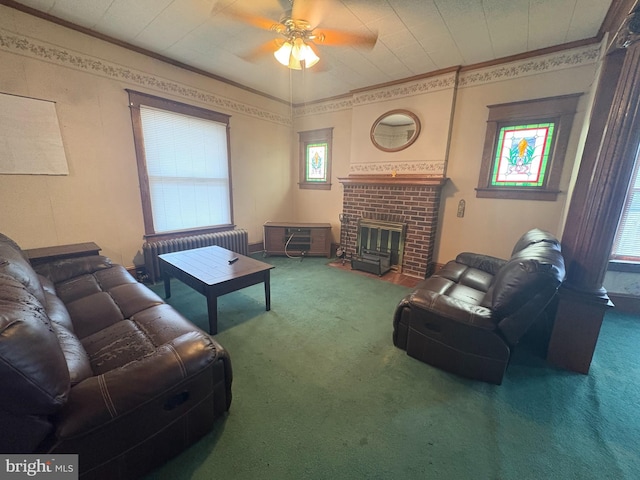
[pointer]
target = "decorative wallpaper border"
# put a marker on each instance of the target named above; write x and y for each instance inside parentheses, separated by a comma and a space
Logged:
(533, 66)
(29, 47)
(389, 168)
(430, 84)
(407, 89)
(324, 107)
(547, 63)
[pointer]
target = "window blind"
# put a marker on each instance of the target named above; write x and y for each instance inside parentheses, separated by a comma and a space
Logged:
(627, 242)
(187, 168)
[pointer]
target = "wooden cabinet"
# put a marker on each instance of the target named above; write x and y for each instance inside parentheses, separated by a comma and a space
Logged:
(297, 239)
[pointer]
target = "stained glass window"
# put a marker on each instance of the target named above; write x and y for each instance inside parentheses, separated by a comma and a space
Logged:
(524, 148)
(522, 155)
(316, 159)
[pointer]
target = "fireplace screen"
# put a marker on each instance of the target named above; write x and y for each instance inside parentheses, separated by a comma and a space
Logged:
(380, 245)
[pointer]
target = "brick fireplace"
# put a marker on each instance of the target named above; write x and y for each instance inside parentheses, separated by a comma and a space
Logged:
(414, 198)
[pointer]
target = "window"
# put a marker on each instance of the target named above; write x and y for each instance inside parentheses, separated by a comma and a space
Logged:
(183, 165)
(627, 242)
(522, 155)
(524, 148)
(315, 158)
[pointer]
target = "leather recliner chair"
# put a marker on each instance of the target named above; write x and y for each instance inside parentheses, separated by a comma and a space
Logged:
(466, 318)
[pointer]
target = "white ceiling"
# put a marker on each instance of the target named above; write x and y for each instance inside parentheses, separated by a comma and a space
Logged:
(414, 36)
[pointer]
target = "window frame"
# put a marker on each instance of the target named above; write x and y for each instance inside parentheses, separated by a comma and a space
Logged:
(310, 137)
(558, 110)
(632, 191)
(136, 99)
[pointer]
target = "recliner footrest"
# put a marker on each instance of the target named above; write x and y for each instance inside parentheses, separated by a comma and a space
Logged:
(450, 359)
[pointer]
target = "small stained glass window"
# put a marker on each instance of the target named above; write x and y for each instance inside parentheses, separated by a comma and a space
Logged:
(316, 159)
(522, 155)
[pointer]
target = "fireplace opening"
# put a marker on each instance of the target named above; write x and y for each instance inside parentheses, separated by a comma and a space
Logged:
(380, 244)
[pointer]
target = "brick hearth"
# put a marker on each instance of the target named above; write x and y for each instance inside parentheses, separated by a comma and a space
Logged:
(415, 198)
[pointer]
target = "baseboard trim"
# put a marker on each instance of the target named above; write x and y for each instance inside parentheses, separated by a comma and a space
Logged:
(256, 247)
(625, 303)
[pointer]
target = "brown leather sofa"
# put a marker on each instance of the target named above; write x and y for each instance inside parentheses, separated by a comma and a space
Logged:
(94, 363)
(466, 318)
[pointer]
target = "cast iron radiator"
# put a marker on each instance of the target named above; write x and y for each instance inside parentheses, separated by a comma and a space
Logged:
(235, 240)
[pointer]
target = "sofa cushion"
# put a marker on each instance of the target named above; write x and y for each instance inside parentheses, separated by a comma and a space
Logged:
(57, 311)
(60, 270)
(132, 298)
(487, 263)
(77, 287)
(93, 313)
(519, 280)
(533, 236)
(7, 241)
(37, 383)
(14, 264)
(80, 281)
(466, 274)
(116, 346)
(74, 354)
(450, 308)
(162, 323)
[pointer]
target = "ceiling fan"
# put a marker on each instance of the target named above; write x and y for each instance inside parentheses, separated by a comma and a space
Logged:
(299, 35)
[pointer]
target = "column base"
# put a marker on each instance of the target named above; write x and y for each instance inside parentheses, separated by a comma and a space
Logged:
(576, 328)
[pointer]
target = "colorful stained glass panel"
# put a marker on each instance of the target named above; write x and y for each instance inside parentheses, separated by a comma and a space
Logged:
(522, 155)
(317, 162)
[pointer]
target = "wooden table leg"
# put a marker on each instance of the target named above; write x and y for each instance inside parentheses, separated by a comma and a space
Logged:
(212, 310)
(267, 289)
(167, 284)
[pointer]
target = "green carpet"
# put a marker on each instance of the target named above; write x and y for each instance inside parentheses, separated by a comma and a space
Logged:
(320, 392)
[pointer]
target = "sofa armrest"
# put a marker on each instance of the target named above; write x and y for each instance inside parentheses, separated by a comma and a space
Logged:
(486, 263)
(428, 303)
(101, 399)
(60, 270)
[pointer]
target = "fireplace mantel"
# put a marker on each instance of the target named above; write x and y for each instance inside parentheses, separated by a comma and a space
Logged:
(387, 180)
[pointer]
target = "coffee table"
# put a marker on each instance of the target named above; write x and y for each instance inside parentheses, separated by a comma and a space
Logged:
(214, 271)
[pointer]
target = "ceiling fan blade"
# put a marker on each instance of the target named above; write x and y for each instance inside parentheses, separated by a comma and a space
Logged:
(253, 20)
(263, 50)
(338, 37)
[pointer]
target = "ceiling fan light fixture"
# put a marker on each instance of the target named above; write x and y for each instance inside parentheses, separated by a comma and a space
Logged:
(307, 54)
(292, 53)
(283, 53)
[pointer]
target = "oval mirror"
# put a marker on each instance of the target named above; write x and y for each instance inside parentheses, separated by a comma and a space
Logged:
(395, 130)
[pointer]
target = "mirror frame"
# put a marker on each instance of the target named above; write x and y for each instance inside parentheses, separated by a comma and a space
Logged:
(409, 142)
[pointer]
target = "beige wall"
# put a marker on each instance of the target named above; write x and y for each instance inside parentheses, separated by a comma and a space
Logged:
(324, 206)
(431, 101)
(489, 226)
(99, 200)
